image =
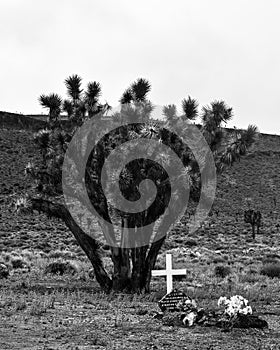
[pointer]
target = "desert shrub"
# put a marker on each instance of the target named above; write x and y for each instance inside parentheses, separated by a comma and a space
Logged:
(271, 270)
(141, 311)
(222, 271)
(253, 270)
(4, 271)
(18, 263)
(271, 259)
(40, 306)
(91, 274)
(60, 267)
(191, 243)
(5, 256)
(20, 305)
(96, 339)
(160, 263)
(218, 260)
(249, 277)
(63, 254)
(29, 255)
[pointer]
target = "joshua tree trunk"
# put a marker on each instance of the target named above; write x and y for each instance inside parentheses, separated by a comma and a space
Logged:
(132, 266)
(253, 231)
(88, 244)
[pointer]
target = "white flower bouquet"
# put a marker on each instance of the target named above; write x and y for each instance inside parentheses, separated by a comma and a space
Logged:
(236, 305)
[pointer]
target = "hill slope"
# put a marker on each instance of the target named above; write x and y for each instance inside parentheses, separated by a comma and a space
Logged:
(256, 176)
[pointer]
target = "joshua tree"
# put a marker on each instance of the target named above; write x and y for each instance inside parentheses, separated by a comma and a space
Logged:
(254, 218)
(53, 103)
(134, 102)
(132, 265)
(73, 84)
(170, 112)
(68, 107)
(190, 108)
(92, 95)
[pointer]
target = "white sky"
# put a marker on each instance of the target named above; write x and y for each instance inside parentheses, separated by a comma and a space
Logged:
(210, 49)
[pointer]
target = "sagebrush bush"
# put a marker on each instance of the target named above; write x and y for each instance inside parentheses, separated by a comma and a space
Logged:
(271, 259)
(38, 307)
(271, 270)
(91, 273)
(218, 260)
(4, 271)
(18, 263)
(60, 267)
(5, 257)
(191, 243)
(222, 271)
(62, 254)
(249, 278)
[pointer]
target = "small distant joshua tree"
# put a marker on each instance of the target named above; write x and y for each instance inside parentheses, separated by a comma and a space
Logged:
(132, 266)
(190, 108)
(170, 112)
(254, 218)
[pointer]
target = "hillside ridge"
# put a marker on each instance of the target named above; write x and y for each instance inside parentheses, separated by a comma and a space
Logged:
(256, 176)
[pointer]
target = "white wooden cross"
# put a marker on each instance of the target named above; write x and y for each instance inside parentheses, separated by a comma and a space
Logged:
(169, 273)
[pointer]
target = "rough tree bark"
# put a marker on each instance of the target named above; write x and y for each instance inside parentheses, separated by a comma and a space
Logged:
(87, 243)
(129, 278)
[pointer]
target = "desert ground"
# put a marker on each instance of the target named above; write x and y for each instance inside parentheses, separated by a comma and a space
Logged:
(43, 310)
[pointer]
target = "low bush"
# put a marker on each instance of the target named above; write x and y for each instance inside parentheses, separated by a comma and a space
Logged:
(91, 274)
(18, 263)
(222, 271)
(249, 278)
(62, 254)
(4, 271)
(60, 267)
(218, 260)
(271, 270)
(191, 243)
(41, 306)
(271, 259)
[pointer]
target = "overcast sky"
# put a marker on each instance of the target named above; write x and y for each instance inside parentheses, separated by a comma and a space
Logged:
(209, 49)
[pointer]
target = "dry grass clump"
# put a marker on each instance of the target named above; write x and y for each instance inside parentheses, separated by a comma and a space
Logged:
(271, 259)
(13, 260)
(250, 276)
(40, 306)
(218, 260)
(11, 303)
(62, 254)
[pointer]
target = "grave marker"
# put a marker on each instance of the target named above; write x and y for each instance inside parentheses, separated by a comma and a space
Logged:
(169, 273)
(170, 301)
